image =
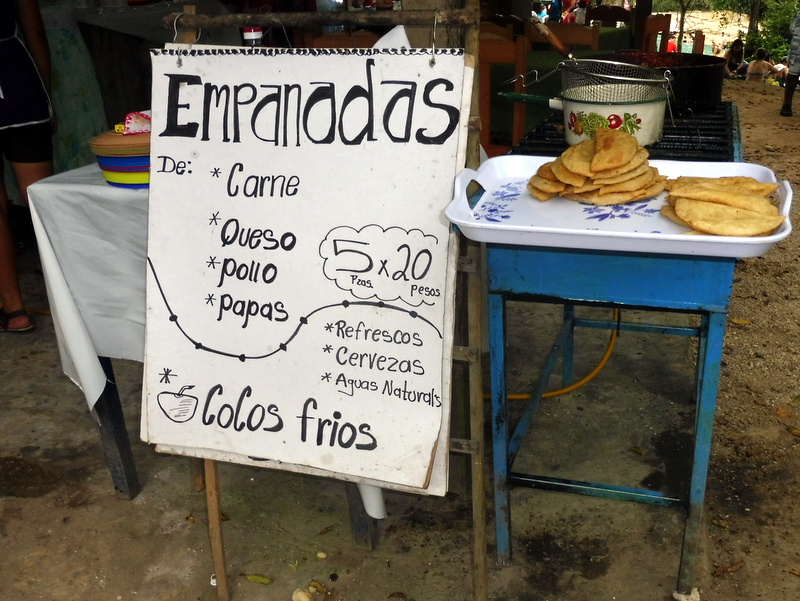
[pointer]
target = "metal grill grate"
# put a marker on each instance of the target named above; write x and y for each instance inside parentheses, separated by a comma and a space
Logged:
(709, 136)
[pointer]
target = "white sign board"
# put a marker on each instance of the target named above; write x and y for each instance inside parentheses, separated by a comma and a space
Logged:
(301, 271)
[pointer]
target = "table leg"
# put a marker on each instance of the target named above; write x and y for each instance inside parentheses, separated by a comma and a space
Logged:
(502, 501)
(712, 332)
(569, 345)
(114, 434)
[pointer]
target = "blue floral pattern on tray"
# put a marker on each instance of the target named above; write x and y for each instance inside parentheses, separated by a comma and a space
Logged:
(498, 207)
(626, 211)
(498, 204)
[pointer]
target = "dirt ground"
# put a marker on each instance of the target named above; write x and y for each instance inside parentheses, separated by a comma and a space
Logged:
(67, 536)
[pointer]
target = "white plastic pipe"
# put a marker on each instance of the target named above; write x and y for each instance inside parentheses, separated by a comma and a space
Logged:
(372, 497)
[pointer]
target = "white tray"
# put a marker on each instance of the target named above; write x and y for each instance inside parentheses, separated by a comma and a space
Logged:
(507, 214)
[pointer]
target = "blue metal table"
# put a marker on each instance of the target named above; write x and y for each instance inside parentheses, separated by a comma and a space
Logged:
(657, 282)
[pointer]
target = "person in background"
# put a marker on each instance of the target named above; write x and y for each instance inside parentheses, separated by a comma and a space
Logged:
(735, 64)
(555, 11)
(761, 68)
(569, 15)
(539, 11)
(25, 133)
(794, 68)
(75, 92)
(671, 45)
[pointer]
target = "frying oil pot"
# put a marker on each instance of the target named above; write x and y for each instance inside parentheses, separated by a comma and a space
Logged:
(642, 119)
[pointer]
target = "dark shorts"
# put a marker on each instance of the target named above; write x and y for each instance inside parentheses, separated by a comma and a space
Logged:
(27, 143)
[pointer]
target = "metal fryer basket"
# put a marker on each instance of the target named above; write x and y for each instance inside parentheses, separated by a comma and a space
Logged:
(604, 81)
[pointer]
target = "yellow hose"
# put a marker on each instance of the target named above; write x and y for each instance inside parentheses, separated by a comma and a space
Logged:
(575, 385)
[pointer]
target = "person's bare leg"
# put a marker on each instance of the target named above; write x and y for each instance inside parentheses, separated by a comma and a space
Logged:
(10, 292)
(788, 93)
(30, 173)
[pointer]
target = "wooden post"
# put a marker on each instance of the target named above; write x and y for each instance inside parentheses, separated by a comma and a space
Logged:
(474, 309)
(215, 530)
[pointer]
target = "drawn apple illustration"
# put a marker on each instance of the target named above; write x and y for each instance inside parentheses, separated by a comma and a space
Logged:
(177, 406)
(614, 121)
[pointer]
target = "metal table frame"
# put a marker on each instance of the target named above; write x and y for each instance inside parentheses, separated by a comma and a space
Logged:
(689, 284)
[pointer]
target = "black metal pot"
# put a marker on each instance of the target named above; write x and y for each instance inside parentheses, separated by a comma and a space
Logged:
(696, 78)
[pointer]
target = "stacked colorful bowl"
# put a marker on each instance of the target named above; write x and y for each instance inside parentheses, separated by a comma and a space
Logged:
(124, 159)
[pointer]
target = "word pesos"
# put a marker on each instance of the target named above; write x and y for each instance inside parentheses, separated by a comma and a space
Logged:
(317, 112)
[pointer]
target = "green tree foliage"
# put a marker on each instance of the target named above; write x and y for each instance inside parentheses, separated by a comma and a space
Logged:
(770, 20)
(774, 32)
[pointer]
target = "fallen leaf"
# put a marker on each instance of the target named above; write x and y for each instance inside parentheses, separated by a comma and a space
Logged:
(637, 450)
(735, 567)
(721, 523)
(314, 585)
(258, 578)
(325, 530)
(783, 412)
(741, 322)
(794, 572)
(796, 399)
(794, 431)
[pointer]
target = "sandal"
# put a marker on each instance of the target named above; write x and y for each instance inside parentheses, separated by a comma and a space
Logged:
(7, 317)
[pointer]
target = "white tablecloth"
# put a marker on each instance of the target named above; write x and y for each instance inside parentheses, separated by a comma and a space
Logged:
(93, 242)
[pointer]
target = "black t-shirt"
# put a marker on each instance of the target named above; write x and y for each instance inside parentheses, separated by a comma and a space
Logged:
(23, 100)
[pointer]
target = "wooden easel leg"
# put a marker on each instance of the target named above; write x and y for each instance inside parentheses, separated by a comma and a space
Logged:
(215, 530)
(197, 471)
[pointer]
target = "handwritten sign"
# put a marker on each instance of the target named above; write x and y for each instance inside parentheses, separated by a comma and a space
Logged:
(300, 268)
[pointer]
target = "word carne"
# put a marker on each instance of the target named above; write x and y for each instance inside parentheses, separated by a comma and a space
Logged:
(332, 431)
(258, 186)
(361, 332)
(317, 112)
